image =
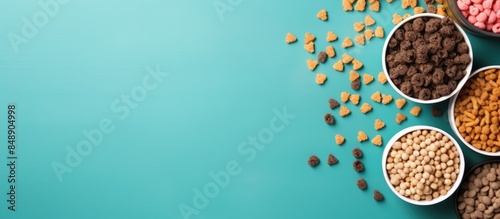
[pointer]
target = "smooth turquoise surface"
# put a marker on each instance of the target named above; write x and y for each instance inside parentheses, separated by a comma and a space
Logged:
(230, 78)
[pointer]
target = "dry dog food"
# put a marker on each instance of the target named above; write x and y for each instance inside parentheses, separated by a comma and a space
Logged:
(309, 47)
(354, 98)
(357, 153)
(356, 84)
(313, 161)
(358, 26)
(360, 5)
(353, 75)
(361, 183)
(418, 10)
(367, 78)
(322, 57)
(381, 78)
(332, 160)
(377, 195)
(347, 43)
(309, 38)
(376, 97)
(347, 5)
(290, 38)
(329, 119)
(378, 124)
(426, 58)
(480, 194)
(477, 111)
(358, 166)
(330, 36)
(423, 165)
(436, 111)
(409, 3)
(344, 111)
(415, 111)
(346, 58)
(356, 64)
(369, 34)
(386, 99)
(400, 118)
(377, 140)
(379, 32)
(362, 136)
(344, 96)
(320, 78)
(322, 15)
(365, 108)
(339, 139)
(333, 103)
(375, 6)
(360, 39)
(330, 51)
(339, 66)
(311, 64)
(369, 20)
(400, 103)
(396, 18)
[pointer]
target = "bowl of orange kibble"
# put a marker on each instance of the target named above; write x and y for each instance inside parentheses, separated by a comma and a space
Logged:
(474, 112)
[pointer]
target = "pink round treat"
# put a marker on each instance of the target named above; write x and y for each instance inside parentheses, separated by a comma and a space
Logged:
(489, 27)
(496, 28)
(473, 10)
(480, 25)
(492, 18)
(482, 17)
(488, 4)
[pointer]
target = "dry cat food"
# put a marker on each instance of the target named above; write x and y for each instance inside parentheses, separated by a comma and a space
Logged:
(358, 166)
(400, 118)
(322, 15)
(344, 111)
(354, 99)
(346, 58)
(347, 43)
(320, 78)
(311, 64)
(376, 97)
(378, 124)
(357, 153)
(423, 165)
(290, 38)
(426, 57)
(329, 119)
(377, 140)
(330, 36)
(333, 103)
(332, 160)
(360, 39)
(381, 78)
(361, 183)
(338, 66)
(479, 196)
(386, 99)
(313, 161)
(436, 111)
(339, 139)
(356, 64)
(365, 108)
(362, 136)
(322, 56)
(344, 96)
(330, 51)
(367, 78)
(415, 111)
(353, 75)
(477, 111)
(356, 84)
(400, 103)
(377, 195)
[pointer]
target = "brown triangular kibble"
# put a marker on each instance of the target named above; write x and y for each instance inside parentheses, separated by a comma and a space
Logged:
(332, 160)
(377, 195)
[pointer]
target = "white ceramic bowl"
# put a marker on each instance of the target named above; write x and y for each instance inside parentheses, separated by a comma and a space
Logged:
(405, 131)
(431, 101)
(451, 116)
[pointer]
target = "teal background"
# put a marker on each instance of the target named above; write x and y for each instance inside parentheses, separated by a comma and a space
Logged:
(226, 77)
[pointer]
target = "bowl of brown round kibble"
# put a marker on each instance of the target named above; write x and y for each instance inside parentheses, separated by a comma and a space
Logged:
(423, 165)
(427, 58)
(479, 193)
(474, 112)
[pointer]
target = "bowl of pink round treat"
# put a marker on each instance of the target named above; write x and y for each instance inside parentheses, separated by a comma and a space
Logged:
(479, 17)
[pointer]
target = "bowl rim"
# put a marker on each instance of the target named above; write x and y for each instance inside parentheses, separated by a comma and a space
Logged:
(464, 19)
(404, 131)
(451, 115)
(468, 69)
(466, 175)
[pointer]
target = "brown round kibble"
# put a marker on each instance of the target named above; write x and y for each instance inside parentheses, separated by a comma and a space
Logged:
(333, 103)
(361, 183)
(476, 111)
(313, 161)
(479, 196)
(423, 165)
(322, 56)
(329, 119)
(358, 166)
(436, 52)
(357, 153)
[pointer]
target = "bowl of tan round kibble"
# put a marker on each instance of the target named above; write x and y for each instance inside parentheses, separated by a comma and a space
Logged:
(474, 112)
(479, 193)
(423, 165)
